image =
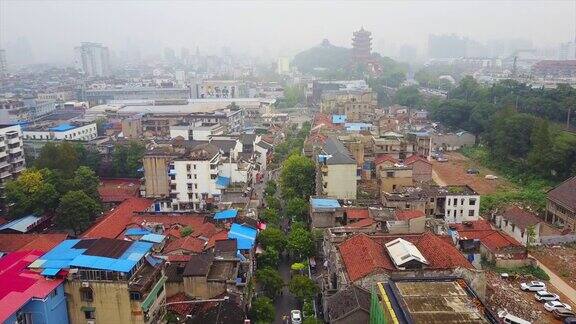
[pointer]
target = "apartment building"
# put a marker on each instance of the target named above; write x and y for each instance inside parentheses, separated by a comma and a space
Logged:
(394, 145)
(357, 105)
(12, 161)
(74, 131)
(561, 205)
(108, 280)
(337, 174)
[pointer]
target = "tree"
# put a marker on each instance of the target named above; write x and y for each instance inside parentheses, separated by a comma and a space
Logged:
(297, 208)
(300, 243)
(269, 216)
(271, 188)
(76, 211)
(62, 157)
(297, 176)
(263, 310)
(273, 203)
(185, 231)
(127, 159)
(540, 155)
(271, 281)
(269, 258)
(302, 287)
(101, 126)
(30, 193)
(85, 179)
(88, 157)
(408, 96)
(273, 237)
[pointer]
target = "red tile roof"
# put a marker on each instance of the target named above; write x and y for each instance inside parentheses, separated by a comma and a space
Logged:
(565, 193)
(404, 215)
(186, 244)
(221, 235)
(481, 224)
(180, 309)
(362, 223)
(413, 158)
(357, 213)
(383, 158)
(178, 257)
(118, 190)
(493, 240)
(520, 217)
(363, 255)
(20, 285)
(27, 242)
(115, 222)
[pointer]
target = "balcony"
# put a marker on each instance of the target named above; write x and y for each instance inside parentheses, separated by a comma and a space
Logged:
(15, 150)
(5, 174)
(13, 140)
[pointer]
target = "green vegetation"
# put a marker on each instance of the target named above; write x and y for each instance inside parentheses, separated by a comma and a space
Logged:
(297, 177)
(263, 310)
(270, 280)
(269, 258)
(127, 159)
(536, 272)
(76, 211)
(293, 143)
(324, 60)
(409, 97)
(302, 287)
(293, 96)
(185, 231)
(297, 208)
(300, 242)
(272, 237)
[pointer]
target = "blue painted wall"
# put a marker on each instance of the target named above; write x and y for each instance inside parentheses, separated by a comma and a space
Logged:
(50, 311)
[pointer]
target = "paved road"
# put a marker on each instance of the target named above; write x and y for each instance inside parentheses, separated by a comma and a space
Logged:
(437, 179)
(285, 302)
(560, 284)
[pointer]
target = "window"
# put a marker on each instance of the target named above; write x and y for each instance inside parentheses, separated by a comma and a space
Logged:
(195, 177)
(189, 176)
(390, 174)
(89, 314)
(54, 292)
(472, 202)
(134, 295)
(448, 202)
(195, 186)
(213, 176)
(194, 165)
(471, 213)
(86, 294)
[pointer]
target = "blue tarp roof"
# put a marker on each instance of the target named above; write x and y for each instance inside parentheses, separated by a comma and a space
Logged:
(136, 231)
(226, 214)
(325, 203)
(223, 181)
(64, 255)
(338, 119)
(154, 238)
(21, 224)
(62, 128)
(50, 272)
(244, 235)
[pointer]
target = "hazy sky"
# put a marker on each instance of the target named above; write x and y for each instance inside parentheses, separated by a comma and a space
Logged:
(53, 28)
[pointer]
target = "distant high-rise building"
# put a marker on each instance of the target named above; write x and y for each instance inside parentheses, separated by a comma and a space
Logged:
(361, 46)
(92, 59)
(446, 46)
(567, 51)
(169, 55)
(3, 64)
(283, 65)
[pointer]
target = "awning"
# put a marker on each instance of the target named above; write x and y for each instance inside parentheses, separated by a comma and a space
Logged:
(223, 182)
(50, 272)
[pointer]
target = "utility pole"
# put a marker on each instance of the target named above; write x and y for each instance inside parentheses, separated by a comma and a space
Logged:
(568, 118)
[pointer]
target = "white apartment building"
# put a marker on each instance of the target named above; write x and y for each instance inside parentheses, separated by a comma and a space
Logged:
(462, 207)
(93, 59)
(12, 161)
(193, 178)
(68, 132)
(196, 131)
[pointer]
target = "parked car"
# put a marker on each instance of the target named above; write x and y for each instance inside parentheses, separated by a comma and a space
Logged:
(491, 177)
(543, 295)
(442, 159)
(296, 316)
(561, 313)
(552, 305)
(533, 286)
(473, 171)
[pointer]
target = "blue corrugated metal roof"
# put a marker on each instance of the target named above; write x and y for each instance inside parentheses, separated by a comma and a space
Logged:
(136, 231)
(244, 235)
(338, 119)
(64, 255)
(226, 214)
(357, 126)
(50, 272)
(154, 238)
(223, 181)
(62, 128)
(325, 203)
(21, 224)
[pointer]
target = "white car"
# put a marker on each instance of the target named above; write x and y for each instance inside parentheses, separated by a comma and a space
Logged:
(552, 305)
(545, 296)
(296, 316)
(533, 286)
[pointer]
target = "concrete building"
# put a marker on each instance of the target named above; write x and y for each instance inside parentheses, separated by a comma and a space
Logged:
(156, 164)
(421, 168)
(196, 131)
(221, 89)
(104, 95)
(337, 174)
(394, 145)
(358, 106)
(3, 63)
(92, 59)
(132, 127)
(108, 280)
(74, 131)
(12, 161)
(452, 141)
(28, 297)
(521, 224)
(561, 205)
(349, 305)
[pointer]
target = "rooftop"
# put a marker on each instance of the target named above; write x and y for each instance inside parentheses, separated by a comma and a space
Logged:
(245, 235)
(363, 255)
(346, 301)
(27, 242)
(565, 193)
(324, 203)
(520, 217)
(19, 285)
(118, 190)
(21, 225)
(114, 223)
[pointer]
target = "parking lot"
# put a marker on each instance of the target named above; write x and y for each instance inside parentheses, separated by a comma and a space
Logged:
(506, 294)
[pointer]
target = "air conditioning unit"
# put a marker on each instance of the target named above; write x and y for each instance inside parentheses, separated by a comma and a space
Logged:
(85, 284)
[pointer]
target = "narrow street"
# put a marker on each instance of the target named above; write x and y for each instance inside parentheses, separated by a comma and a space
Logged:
(285, 302)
